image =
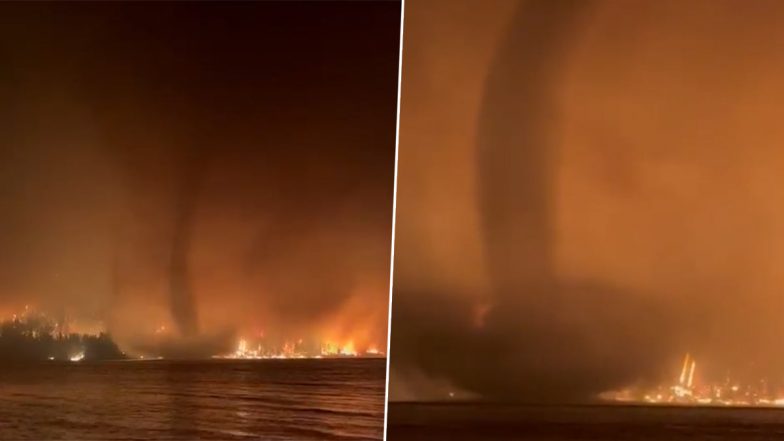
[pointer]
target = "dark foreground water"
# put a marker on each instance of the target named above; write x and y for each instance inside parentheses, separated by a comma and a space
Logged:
(589, 423)
(225, 400)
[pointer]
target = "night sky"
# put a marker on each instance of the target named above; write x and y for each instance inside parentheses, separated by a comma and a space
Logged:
(217, 168)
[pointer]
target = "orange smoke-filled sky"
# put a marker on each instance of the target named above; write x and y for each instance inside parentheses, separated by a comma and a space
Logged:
(262, 132)
(660, 129)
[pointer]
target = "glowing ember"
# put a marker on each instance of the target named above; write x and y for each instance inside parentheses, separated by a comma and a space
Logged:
(348, 349)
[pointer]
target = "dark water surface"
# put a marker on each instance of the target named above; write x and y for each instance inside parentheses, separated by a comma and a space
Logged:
(586, 423)
(221, 399)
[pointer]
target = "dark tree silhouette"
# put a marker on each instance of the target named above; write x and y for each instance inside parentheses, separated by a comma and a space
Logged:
(35, 337)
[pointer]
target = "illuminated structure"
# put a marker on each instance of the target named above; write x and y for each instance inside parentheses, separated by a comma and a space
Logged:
(685, 386)
(686, 391)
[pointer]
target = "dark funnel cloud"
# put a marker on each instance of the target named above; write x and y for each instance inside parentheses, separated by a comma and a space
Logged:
(530, 314)
(586, 197)
(183, 305)
(539, 327)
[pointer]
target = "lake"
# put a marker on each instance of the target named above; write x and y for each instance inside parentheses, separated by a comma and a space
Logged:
(507, 422)
(316, 399)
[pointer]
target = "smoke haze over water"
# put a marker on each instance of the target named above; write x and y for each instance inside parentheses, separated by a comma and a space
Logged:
(208, 167)
(588, 195)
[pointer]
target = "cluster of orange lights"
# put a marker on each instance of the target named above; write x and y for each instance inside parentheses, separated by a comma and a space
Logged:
(253, 348)
(686, 390)
(291, 350)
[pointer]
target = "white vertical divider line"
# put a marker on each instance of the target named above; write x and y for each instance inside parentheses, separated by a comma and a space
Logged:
(394, 217)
